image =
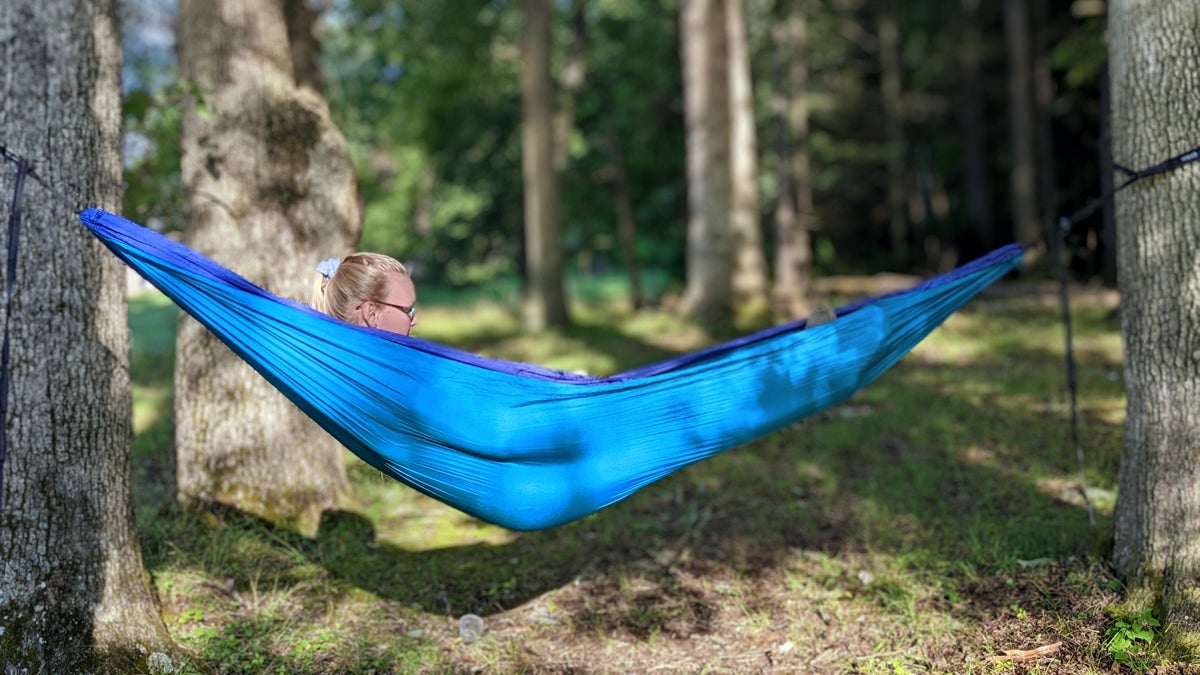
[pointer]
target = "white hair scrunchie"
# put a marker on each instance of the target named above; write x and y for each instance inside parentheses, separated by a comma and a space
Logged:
(328, 267)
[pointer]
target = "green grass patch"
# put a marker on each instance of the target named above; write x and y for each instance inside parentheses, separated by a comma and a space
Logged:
(932, 520)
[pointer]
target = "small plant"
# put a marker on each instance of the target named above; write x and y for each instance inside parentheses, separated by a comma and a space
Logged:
(1130, 639)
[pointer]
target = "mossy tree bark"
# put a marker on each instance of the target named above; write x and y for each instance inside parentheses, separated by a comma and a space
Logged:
(1156, 114)
(74, 595)
(270, 191)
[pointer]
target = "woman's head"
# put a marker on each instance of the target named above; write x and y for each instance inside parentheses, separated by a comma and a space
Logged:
(368, 289)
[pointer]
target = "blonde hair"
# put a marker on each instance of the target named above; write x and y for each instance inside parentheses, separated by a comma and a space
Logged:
(359, 278)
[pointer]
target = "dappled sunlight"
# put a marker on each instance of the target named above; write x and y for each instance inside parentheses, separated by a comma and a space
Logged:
(886, 518)
(1068, 490)
(151, 406)
(409, 520)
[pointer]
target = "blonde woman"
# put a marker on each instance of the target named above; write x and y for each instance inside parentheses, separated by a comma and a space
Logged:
(368, 289)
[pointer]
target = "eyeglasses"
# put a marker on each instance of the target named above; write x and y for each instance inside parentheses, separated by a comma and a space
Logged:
(410, 311)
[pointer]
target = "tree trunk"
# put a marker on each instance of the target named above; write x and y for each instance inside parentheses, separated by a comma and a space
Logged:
(74, 595)
(1027, 227)
(269, 192)
(892, 94)
(1043, 101)
(794, 197)
(974, 127)
(545, 303)
(1156, 102)
(709, 292)
(570, 81)
(749, 263)
(626, 224)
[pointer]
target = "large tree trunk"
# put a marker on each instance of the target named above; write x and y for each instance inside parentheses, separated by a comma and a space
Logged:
(269, 192)
(749, 263)
(794, 196)
(545, 302)
(1027, 227)
(74, 595)
(1155, 108)
(709, 292)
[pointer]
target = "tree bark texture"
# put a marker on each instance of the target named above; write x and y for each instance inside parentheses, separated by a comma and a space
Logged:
(709, 291)
(1155, 113)
(749, 264)
(545, 303)
(74, 596)
(794, 196)
(270, 191)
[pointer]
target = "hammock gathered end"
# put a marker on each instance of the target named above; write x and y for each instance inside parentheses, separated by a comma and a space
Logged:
(523, 446)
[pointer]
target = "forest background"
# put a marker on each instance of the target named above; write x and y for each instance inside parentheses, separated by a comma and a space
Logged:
(934, 131)
(903, 138)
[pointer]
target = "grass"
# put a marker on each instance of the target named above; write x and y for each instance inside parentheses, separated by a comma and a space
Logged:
(932, 521)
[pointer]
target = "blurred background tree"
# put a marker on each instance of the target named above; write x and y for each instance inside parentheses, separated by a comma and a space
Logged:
(909, 136)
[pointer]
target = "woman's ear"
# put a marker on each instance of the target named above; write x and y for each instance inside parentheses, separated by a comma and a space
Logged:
(367, 315)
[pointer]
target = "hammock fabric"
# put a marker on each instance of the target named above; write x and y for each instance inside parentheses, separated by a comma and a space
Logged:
(526, 447)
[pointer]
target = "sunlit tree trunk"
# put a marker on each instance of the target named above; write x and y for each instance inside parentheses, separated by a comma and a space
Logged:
(794, 197)
(270, 191)
(749, 263)
(1155, 104)
(74, 595)
(1027, 227)
(709, 291)
(545, 302)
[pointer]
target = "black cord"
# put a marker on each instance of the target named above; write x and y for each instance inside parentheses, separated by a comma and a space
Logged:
(14, 232)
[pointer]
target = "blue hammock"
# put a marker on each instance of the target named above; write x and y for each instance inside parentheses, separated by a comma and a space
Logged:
(526, 447)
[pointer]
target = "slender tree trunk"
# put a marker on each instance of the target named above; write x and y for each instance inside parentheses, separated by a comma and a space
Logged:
(892, 94)
(74, 595)
(626, 224)
(709, 292)
(1027, 227)
(794, 197)
(545, 302)
(570, 81)
(749, 263)
(974, 134)
(1043, 101)
(270, 190)
(1156, 102)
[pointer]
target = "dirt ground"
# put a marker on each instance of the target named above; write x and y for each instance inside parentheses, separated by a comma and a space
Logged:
(818, 613)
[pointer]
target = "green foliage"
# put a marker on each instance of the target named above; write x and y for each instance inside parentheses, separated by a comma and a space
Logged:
(1081, 54)
(1130, 640)
(153, 127)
